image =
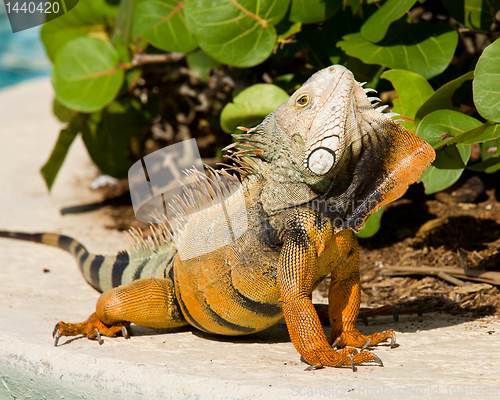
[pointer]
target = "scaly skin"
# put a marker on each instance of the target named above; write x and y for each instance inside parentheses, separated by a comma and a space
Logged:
(319, 166)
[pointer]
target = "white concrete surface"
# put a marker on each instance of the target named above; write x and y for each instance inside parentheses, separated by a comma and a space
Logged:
(438, 356)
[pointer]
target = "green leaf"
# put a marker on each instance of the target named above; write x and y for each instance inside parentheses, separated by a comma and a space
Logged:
(441, 99)
(413, 90)
(435, 179)
(482, 133)
(372, 224)
(86, 76)
(356, 6)
(122, 30)
(200, 63)
(162, 23)
(291, 31)
(442, 124)
(376, 26)
(313, 11)
(448, 158)
(467, 137)
(88, 18)
(235, 32)
(486, 84)
(474, 14)
(66, 136)
(424, 48)
(109, 135)
(251, 106)
(490, 132)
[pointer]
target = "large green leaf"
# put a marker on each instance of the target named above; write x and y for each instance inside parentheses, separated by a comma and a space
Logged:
(162, 23)
(110, 134)
(251, 106)
(236, 32)
(376, 26)
(435, 179)
(86, 76)
(413, 90)
(442, 124)
(486, 84)
(424, 48)
(441, 99)
(66, 136)
(313, 11)
(88, 18)
(450, 160)
(372, 224)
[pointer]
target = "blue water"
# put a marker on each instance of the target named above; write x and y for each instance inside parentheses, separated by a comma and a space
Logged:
(22, 55)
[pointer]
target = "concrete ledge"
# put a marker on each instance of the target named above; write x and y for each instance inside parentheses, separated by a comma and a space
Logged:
(438, 357)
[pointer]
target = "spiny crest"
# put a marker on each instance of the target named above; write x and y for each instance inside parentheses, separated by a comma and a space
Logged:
(376, 101)
(160, 239)
(242, 153)
(201, 191)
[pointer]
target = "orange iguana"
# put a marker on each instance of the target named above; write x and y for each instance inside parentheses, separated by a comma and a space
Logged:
(311, 173)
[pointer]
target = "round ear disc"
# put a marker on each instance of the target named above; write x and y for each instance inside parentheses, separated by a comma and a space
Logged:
(321, 160)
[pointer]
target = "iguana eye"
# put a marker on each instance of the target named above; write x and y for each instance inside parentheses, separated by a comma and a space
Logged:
(298, 139)
(303, 100)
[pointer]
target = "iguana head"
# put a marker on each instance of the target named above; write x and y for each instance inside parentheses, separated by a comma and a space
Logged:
(316, 128)
(314, 143)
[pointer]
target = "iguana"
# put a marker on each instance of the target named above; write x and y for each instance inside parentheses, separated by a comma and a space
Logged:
(311, 173)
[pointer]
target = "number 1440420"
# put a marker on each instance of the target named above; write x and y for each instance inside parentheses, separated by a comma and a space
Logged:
(32, 7)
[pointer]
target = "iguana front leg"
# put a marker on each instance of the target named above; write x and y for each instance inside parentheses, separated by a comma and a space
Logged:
(148, 302)
(344, 299)
(297, 269)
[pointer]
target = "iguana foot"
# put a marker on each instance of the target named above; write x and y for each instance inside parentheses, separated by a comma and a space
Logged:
(338, 358)
(93, 329)
(357, 339)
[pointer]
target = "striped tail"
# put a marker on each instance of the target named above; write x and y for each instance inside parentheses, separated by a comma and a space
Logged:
(106, 272)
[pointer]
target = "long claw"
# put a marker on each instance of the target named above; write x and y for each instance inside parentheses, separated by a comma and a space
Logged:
(393, 341)
(56, 330)
(125, 332)
(98, 336)
(377, 359)
(334, 344)
(365, 345)
(354, 369)
(56, 338)
(313, 367)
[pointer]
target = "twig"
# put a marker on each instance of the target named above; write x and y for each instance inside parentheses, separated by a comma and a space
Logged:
(142, 59)
(491, 277)
(447, 277)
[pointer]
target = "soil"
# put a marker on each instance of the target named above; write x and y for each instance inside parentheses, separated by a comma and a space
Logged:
(457, 228)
